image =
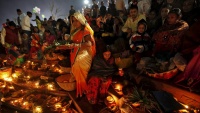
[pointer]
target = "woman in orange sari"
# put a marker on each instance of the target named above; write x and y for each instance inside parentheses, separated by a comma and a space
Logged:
(82, 52)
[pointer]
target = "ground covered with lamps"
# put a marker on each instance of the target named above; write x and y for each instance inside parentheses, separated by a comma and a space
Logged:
(33, 87)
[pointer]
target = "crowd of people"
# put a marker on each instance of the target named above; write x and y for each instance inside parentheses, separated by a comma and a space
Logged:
(146, 28)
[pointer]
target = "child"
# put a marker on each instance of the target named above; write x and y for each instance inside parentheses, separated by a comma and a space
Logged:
(140, 41)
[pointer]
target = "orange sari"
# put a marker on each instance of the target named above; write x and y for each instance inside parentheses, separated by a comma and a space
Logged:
(81, 59)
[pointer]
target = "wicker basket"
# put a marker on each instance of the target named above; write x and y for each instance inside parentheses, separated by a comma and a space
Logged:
(5, 72)
(65, 69)
(53, 57)
(165, 75)
(66, 82)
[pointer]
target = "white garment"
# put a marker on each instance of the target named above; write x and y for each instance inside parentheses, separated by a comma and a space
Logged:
(144, 6)
(21, 17)
(26, 24)
(120, 5)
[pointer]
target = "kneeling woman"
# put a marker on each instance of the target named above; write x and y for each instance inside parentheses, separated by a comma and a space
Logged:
(100, 76)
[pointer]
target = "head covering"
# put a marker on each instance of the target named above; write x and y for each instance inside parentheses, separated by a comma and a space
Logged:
(81, 18)
(176, 11)
(142, 21)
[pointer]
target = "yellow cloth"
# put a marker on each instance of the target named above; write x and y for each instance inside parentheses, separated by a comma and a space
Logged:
(39, 24)
(132, 24)
(80, 70)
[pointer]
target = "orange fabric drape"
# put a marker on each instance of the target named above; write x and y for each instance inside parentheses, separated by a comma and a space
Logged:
(81, 59)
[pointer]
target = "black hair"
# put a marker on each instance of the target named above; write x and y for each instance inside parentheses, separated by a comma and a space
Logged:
(105, 48)
(154, 10)
(166, 6)
(142, 21)
(48, 31)
(176, 11)
(28, 12)
(19, 10)
(133, 7)
(11, 23)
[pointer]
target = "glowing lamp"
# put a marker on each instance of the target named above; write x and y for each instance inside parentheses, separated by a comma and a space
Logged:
(37, 109)
(86, 1)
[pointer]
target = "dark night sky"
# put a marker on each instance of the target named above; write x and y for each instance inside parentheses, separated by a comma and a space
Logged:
(8, 7)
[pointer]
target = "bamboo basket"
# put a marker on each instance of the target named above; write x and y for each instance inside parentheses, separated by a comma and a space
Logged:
(66, 82)
(5, 72)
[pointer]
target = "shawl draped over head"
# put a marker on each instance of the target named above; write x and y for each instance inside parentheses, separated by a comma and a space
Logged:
(81, 57)
(102, 68)
(81, 18)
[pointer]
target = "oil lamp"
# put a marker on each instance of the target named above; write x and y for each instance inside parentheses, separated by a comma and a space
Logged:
(50, 86)
(37, 109)
(118, 88)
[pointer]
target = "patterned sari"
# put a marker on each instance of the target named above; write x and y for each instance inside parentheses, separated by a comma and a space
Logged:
(81, 59)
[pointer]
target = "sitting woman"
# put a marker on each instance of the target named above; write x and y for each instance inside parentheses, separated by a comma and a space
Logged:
(49, 37)
(100, 76)
(168, 37)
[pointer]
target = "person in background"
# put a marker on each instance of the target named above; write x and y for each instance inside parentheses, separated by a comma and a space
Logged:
(72, 10)
(151, 22)
(122, 17)
(174, 3)
(112, 9)
(156, 5)
(120, 6)
(45, 21)
(20, 16)
(144, 6)
(131, 22)
(49, 37)
(7, 22)
(38, 22)
(35, 45)
(190, 11)
(94, 9)
(11, 40)
(117, 27)
(10, 36)
(102, 9)
(87, 10)
(168, 37)
(88, 18)
(82, 52)
(163, 15)
(65, 33)
(26, 27)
